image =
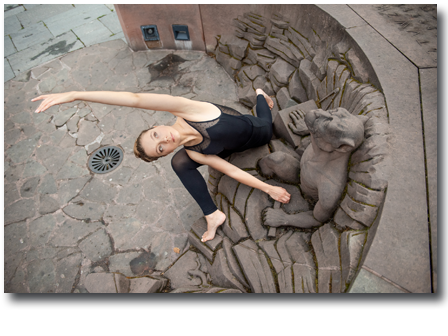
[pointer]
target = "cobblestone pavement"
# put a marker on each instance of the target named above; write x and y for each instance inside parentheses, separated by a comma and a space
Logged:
(64, 222)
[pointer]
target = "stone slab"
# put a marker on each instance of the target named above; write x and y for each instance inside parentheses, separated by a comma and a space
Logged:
(111, 22)
(367, 282)
(417, 41)
(40, 13)
(75, 17)
(9, 47)
(11, 25)
(31, 35)
(428, 88)
(44, 52)
(400, 250)
(9, 73)
(343, 14)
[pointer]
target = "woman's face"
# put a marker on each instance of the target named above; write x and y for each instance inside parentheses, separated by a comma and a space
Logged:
(160, 141)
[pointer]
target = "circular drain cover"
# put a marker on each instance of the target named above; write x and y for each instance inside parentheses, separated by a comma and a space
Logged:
(105, 159)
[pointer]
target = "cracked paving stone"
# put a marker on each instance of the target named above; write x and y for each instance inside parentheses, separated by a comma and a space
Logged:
(71, 171)
(48, 185)
(117, 212)
(97, 191)
(33, 168)
(11, 194)
(88, 132)
(97, 246)
(120, 176)
(120, 263)
(66, 272)
(71, 231)
(16, 238)
(131, 194)
(178, 273)
(85, 210)
(20, 210)
(71, 188)
(63, 116)
(28, 188)
(41, 229)
(41, 275)
(22, 150)
(48, 204)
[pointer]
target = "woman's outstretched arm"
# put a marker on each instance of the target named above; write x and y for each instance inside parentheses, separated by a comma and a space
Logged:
(214, 161)
(179, 106)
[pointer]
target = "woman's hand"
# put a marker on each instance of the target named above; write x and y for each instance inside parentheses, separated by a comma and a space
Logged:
(53, 99)
(279, 194)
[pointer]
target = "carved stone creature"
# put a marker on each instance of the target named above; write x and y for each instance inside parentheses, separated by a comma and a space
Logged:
(323, 166)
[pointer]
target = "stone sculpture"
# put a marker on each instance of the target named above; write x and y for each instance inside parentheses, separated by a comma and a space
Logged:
(331, 147)
(323, 167)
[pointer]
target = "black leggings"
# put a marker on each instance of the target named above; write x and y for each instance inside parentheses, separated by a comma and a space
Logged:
(187, 171)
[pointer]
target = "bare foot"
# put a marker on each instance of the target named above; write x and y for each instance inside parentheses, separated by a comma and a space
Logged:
(214, 220)
(268, 99)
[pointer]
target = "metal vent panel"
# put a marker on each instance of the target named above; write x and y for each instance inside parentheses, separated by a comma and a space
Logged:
(105, 159)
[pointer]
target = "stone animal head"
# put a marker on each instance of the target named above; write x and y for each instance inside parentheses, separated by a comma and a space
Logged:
(336, 130)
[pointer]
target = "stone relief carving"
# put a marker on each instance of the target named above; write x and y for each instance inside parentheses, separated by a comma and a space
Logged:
(330, 154)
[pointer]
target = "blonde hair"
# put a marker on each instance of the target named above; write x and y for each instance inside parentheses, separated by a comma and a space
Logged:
(139, 152)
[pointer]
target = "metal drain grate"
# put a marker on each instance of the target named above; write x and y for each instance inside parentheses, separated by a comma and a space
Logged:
(105, 159)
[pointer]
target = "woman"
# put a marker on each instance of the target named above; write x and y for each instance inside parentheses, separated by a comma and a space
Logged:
(208, 132)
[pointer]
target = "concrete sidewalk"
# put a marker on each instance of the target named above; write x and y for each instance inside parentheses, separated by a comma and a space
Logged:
(35, 34)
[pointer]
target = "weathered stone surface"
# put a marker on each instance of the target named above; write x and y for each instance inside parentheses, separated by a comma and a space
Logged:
(362, 213)
(319, 63)
(232, 262)
(85, 210)
(145, 285)
(257, 202)
(233, 226)
(63, 116)
(281, 165)
(48, 185)
(66, 272)
(325, 242)
(309, 80)
(33, 168)
(281, 71)
(178, 273)
(237, 47)
(88, 132)
(249, 158)
(97, 191)
(69, 189)
(19, 211)
(122, 263)
(343, 220)
(106, 283)
(47, 204)
(23, 149)
(220, 273)
(229, 63)
(29, 187)
(196, 242)
(352, 244)
(247, 96)
(363, 195)
(71, 231)
(279, 146)
(255, 267)
(41, 275)
(16, 238)
(97, 246)
(281, 48)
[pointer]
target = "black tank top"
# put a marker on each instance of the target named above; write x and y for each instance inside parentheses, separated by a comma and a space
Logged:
(230, 131)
